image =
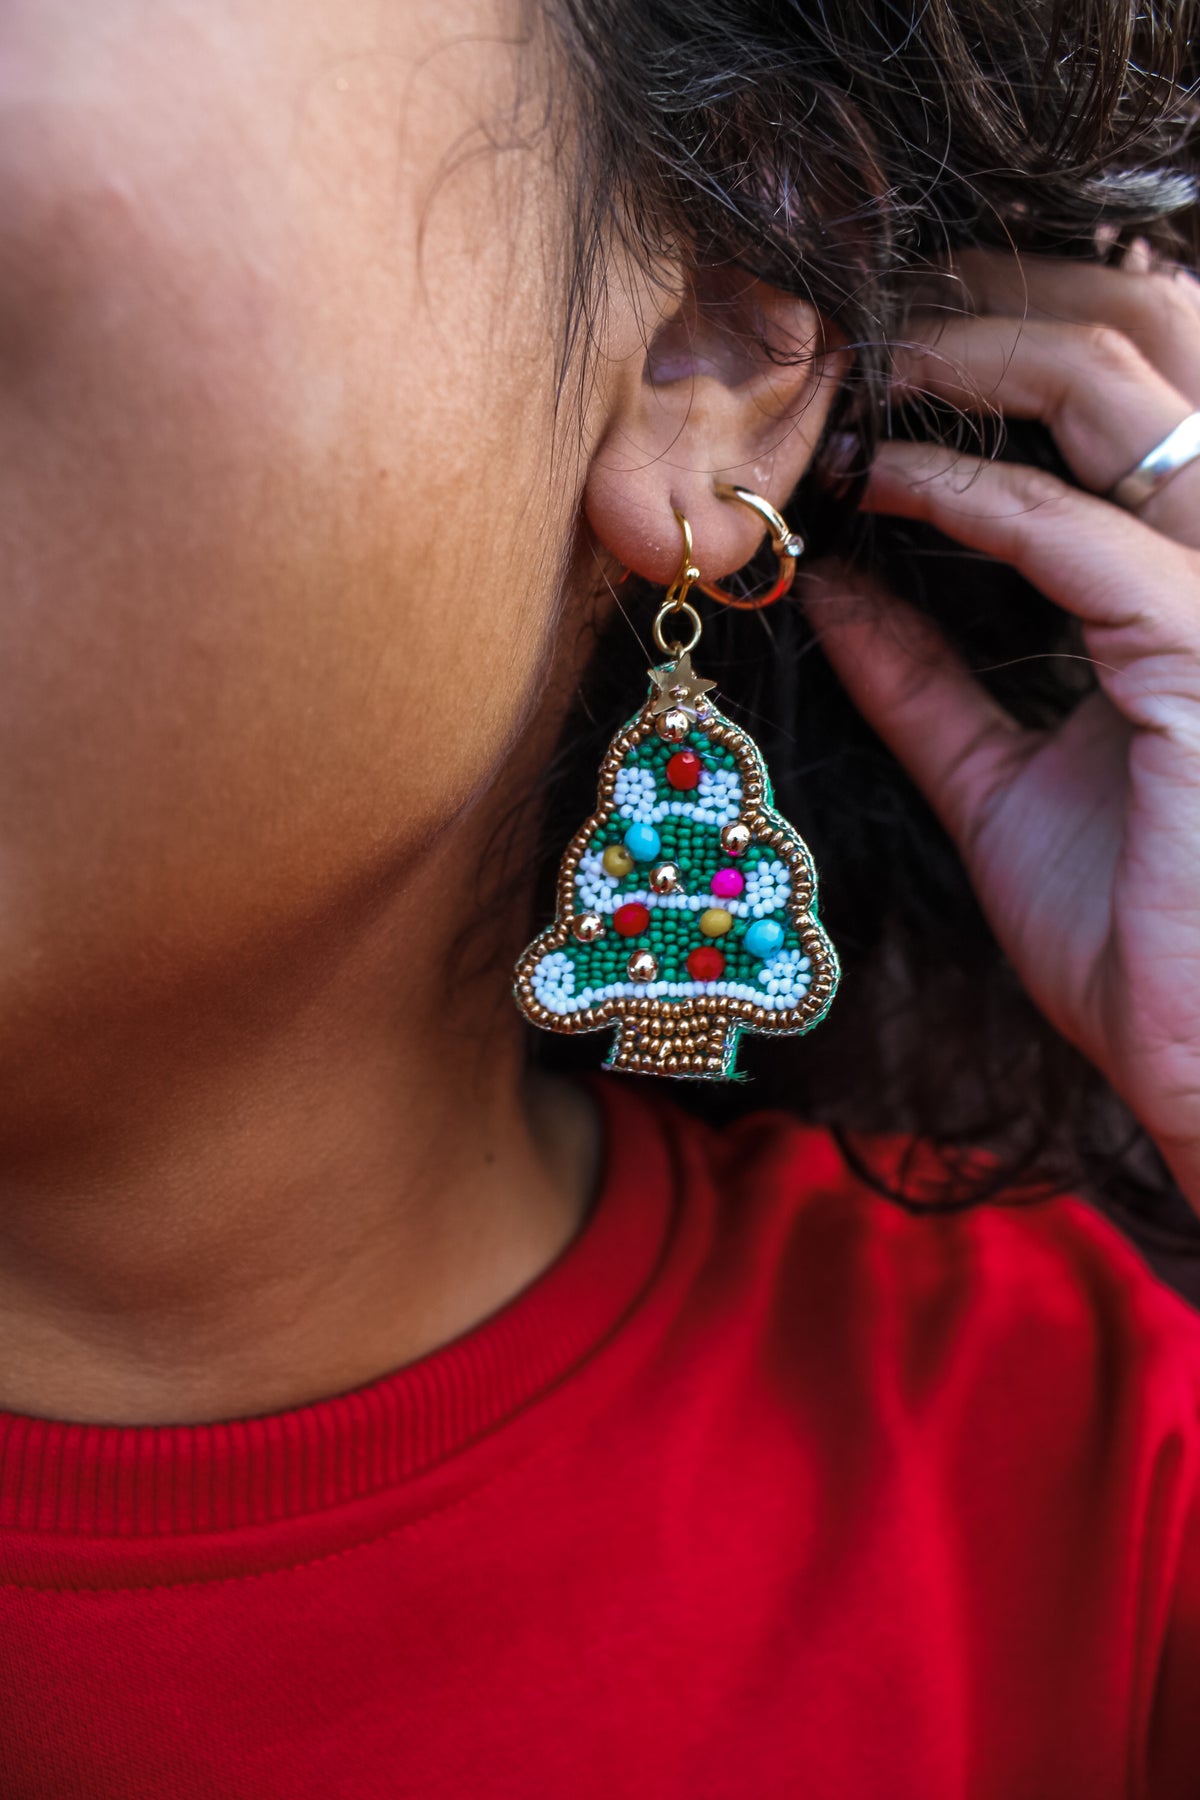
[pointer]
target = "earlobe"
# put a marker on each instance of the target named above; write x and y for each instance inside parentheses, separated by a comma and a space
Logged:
(734, 387)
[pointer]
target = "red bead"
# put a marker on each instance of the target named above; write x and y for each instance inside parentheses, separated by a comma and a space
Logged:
(704, 963)
(683, 770)
(632, 918)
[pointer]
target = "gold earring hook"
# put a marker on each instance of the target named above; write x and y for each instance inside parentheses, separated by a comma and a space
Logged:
(676, 599)
(787, 544)
(688, 574)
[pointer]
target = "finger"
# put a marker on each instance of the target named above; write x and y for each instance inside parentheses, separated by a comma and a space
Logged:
(1138, 258)
(1157, 308)
(1136, 592)
(1103, 403)
(958, 745)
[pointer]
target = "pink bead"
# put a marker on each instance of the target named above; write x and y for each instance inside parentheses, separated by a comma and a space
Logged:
(727, 883)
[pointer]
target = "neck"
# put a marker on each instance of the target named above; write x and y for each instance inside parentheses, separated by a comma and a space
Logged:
(327, 1170)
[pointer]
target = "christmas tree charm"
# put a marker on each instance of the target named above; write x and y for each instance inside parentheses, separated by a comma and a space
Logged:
(686, 906)
(706, 927)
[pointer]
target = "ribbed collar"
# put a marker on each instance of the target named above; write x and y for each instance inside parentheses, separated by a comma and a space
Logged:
(115, 1481)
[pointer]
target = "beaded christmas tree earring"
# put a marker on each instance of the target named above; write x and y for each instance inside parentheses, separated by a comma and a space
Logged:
(686, 909)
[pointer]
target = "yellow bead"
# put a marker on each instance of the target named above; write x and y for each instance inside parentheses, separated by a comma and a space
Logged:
(716, 921)
(617, 860)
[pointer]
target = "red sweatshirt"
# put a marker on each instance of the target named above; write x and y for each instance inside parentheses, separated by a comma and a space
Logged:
(765, 1488)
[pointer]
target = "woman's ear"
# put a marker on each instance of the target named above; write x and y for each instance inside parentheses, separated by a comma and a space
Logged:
(734, 385)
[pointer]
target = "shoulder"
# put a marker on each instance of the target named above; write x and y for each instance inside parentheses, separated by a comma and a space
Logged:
(1023, 1294)
(990, 1416)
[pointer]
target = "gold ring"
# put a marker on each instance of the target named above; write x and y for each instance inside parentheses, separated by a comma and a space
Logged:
(669, 611)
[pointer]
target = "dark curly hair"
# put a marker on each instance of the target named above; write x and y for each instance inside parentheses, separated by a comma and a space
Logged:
(843, 150)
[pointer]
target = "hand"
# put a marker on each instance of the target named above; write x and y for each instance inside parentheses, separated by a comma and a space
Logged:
(1083, 844)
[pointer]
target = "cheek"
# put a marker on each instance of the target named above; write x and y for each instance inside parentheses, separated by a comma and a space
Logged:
(275, 512)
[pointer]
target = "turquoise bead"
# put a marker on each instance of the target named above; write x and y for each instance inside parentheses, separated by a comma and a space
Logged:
(643, 842)
(763, 938)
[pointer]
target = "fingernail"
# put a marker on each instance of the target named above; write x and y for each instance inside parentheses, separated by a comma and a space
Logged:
(842, 455)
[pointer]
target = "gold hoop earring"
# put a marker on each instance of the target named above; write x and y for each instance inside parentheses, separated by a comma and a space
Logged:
(675, 600)
(687, 905)
(787, 544)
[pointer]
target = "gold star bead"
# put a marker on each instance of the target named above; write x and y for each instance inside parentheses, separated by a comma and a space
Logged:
(680, 689)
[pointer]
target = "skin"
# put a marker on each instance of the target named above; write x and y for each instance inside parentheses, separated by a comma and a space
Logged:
(296, 586)
(301, 559)
(1083, 843)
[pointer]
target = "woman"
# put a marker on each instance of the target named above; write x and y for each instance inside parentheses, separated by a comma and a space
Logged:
(383, 1416)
